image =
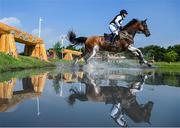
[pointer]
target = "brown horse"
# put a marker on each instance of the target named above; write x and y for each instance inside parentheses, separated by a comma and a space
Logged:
(122, 98)
(124, 42)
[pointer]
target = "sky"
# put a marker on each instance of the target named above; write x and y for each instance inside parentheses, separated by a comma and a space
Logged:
(91, 17)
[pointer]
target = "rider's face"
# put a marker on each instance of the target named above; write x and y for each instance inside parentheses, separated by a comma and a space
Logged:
(124, 15)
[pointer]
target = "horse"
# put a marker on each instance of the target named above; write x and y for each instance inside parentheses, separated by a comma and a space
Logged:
(122, 98)
(125, 41)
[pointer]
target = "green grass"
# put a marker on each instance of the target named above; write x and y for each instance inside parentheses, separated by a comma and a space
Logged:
(5, 76)
(173, 66)
(8, 63)
(59, 60)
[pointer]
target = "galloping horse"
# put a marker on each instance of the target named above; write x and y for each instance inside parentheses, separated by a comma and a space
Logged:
(122, 98)
(124, 42)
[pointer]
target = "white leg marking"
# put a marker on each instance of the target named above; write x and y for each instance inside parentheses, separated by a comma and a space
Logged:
(138, 53)
(95, 49)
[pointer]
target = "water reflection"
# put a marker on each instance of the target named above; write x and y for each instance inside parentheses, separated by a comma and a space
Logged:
(32, 88)
(123, 99)
(126, 97)
(6, 88)
(165, 78)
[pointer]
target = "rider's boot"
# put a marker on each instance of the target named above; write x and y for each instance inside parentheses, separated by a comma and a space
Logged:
(114, 39)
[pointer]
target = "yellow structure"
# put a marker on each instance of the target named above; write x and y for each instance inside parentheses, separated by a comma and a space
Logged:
(69, 54)
(6, 89)
(32, 87)
(33, 46)
(69, 77)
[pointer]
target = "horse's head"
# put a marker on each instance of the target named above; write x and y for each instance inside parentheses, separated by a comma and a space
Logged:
(142, 27)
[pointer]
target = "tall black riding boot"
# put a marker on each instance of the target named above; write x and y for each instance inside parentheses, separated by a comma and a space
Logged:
(114, 39)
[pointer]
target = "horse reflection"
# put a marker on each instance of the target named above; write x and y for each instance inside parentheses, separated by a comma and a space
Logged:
(123, 99)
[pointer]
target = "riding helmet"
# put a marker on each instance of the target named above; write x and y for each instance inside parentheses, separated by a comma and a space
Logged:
(123, 11)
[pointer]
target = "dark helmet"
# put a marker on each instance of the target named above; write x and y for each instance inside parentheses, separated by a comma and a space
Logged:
(123, 11)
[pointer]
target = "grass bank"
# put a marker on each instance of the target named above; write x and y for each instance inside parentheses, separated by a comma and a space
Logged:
(5, 76)
(175, 66)
(56, 60)
(8, 63)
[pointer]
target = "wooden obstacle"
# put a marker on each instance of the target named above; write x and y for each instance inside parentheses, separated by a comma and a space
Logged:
(69, 54)
(33, 46)
(6, 89)
(70, 77)
(32, 88)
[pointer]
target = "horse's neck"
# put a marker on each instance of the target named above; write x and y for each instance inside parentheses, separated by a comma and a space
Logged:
(132, 31)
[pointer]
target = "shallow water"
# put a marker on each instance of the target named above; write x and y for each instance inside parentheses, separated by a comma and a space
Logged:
(77, 96)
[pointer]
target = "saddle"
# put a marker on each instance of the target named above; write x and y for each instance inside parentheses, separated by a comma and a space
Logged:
(108, 37)
(123, 35)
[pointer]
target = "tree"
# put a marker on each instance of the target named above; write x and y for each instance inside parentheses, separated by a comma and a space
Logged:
(57, 47)
(175, 48)
(153, 51)
(71, 47)
(171, 56)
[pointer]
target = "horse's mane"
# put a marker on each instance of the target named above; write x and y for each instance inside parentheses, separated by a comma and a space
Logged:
(130, 23)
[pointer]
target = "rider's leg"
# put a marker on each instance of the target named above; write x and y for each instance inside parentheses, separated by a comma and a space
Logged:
(115, 110)
(114, 38)
(114, 30)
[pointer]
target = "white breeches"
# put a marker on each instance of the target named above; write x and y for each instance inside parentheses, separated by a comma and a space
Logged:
(113, 28)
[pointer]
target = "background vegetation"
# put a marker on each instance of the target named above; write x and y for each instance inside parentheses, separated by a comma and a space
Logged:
(8, 63)
(151, 52)
(159, 54)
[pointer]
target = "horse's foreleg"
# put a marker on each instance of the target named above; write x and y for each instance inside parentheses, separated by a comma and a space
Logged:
(95, 50)
(138, 53)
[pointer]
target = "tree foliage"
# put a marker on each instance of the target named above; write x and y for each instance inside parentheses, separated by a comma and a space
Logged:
(155, 52)
(170, 54)
(57, 47)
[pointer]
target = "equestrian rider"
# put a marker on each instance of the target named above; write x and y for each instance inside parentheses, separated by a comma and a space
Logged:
(116, 24)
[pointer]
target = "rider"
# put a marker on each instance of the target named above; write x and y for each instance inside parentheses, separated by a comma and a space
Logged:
(116, 24)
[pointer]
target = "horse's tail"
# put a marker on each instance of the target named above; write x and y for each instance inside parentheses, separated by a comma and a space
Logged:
(76, 41)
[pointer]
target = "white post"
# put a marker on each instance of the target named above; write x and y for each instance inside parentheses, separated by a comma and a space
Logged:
(39, 35)
(61, 91)
(40, 20)
(38, 112)
(62, 43)
(62, 37)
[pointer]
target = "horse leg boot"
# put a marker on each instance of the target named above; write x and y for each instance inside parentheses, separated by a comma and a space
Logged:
(95, 50)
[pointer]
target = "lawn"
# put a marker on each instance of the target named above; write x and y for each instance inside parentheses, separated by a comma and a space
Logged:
(173, 66)
(8, 63)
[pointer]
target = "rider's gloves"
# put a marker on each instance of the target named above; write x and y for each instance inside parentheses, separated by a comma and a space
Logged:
(120, 28)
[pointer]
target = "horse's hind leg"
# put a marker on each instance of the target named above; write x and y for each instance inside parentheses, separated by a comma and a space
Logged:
(95, 50)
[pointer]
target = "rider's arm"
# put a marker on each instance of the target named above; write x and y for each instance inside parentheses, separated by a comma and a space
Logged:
(118, 21)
